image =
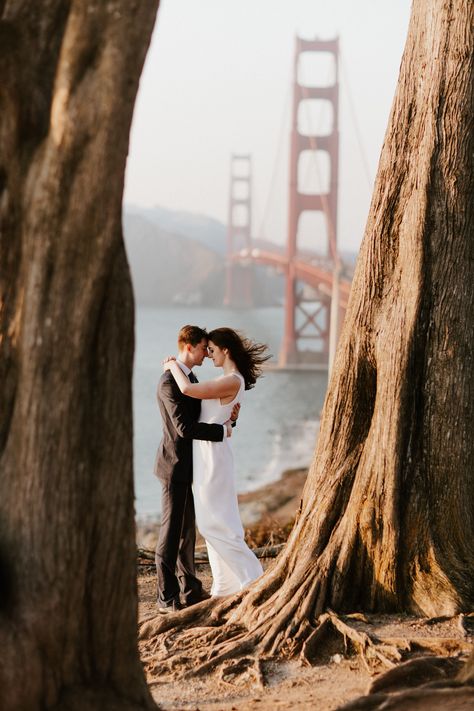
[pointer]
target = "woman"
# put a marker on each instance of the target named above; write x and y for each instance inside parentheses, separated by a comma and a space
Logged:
(233, 564)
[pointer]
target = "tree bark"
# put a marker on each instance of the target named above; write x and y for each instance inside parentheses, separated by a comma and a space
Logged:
(70, 73)
(387, 520)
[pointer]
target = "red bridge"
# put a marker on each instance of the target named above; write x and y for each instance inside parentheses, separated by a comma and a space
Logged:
(317, 284)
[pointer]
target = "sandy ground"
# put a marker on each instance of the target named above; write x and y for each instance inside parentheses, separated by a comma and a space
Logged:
(334, 681)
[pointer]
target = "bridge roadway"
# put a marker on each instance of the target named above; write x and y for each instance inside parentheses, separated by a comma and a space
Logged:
(309, 267)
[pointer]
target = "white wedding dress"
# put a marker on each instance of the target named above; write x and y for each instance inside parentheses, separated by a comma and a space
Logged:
(233, 564)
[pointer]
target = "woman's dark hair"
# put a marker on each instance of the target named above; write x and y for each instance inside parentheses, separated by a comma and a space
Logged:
(247, 355)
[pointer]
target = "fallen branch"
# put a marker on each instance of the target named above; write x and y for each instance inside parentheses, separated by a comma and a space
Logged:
(202, 557)
(261, 552)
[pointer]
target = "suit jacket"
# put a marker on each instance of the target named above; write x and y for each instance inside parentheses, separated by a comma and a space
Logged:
(180, 413)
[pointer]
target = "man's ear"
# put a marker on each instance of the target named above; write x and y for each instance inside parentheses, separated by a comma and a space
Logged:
(188, 347)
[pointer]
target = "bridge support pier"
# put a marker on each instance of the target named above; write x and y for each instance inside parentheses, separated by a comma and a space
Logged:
(312, 310)
(239, 270)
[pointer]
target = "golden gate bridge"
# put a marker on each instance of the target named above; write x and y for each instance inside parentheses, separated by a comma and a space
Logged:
(317, 282)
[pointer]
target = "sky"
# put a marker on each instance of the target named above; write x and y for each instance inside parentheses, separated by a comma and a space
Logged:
(218, 80)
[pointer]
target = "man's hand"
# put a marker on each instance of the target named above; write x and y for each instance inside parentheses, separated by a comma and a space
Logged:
(228, 427)
(235, 412)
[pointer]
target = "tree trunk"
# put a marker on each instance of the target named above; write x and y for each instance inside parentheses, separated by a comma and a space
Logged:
(70, 73)
(387, 519)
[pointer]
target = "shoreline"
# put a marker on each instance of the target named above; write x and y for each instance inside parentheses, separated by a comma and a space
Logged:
(266, 511)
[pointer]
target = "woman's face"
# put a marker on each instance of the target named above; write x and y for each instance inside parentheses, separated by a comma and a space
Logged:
(216, 354)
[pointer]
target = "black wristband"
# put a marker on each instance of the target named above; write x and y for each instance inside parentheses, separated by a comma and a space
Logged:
(233, 423)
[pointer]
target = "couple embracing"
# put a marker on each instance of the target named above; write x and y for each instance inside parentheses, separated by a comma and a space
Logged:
(195, 466)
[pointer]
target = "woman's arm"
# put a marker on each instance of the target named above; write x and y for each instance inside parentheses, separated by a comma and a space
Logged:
(209, 390)
(173, 407)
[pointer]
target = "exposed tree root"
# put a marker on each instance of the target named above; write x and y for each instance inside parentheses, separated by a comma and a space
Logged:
(246, 670)
(207, 613)
(442, 646)
(466, 675)
(424, 698)
(204, 639)
(434, 683)
(235, 635)
(415, 672)
(333, 635)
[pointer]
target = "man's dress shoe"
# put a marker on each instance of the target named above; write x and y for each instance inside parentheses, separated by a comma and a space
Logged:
(172, 606)
(197, 598)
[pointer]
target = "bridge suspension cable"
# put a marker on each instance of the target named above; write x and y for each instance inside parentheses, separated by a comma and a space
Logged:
(278, 154)
(347, 88)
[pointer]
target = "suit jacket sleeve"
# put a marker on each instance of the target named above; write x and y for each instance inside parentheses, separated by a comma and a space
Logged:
(185, 425)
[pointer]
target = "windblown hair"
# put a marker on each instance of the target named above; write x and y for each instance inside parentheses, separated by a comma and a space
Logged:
(247, 355)
(192, 335)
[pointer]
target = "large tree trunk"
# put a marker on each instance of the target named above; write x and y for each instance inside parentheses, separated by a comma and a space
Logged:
(69, 76)
(387, 520)
(389, 508)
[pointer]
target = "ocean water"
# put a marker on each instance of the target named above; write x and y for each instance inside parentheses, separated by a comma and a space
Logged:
(278, 422)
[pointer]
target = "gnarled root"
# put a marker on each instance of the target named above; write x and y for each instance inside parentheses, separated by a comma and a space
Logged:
(332, 635)
(416, 672)
(456, 698)
(207, 637)
(246, 670)
(443, 683)
(278, 618)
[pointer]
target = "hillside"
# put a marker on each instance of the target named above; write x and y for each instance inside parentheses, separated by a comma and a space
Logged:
(200, 228)
(169, 268)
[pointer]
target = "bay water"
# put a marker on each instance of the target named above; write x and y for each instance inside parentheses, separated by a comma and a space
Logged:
(278, 421)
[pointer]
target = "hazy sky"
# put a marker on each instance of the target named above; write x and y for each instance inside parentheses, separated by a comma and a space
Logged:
(218, 80)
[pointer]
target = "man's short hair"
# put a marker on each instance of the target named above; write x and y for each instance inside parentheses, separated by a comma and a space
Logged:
(192, 335)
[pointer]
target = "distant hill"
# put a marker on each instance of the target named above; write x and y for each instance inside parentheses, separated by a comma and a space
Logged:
(169, 268)
(200, 228)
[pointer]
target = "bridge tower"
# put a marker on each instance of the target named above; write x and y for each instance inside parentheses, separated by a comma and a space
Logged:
(307, 311)
(239, 270)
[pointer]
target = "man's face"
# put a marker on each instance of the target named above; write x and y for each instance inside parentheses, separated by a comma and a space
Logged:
(199, 352)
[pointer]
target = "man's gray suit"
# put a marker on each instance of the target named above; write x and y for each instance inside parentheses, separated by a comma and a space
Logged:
(174, 468)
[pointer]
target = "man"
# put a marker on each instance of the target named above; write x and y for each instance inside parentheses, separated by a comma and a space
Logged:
(174, 468)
